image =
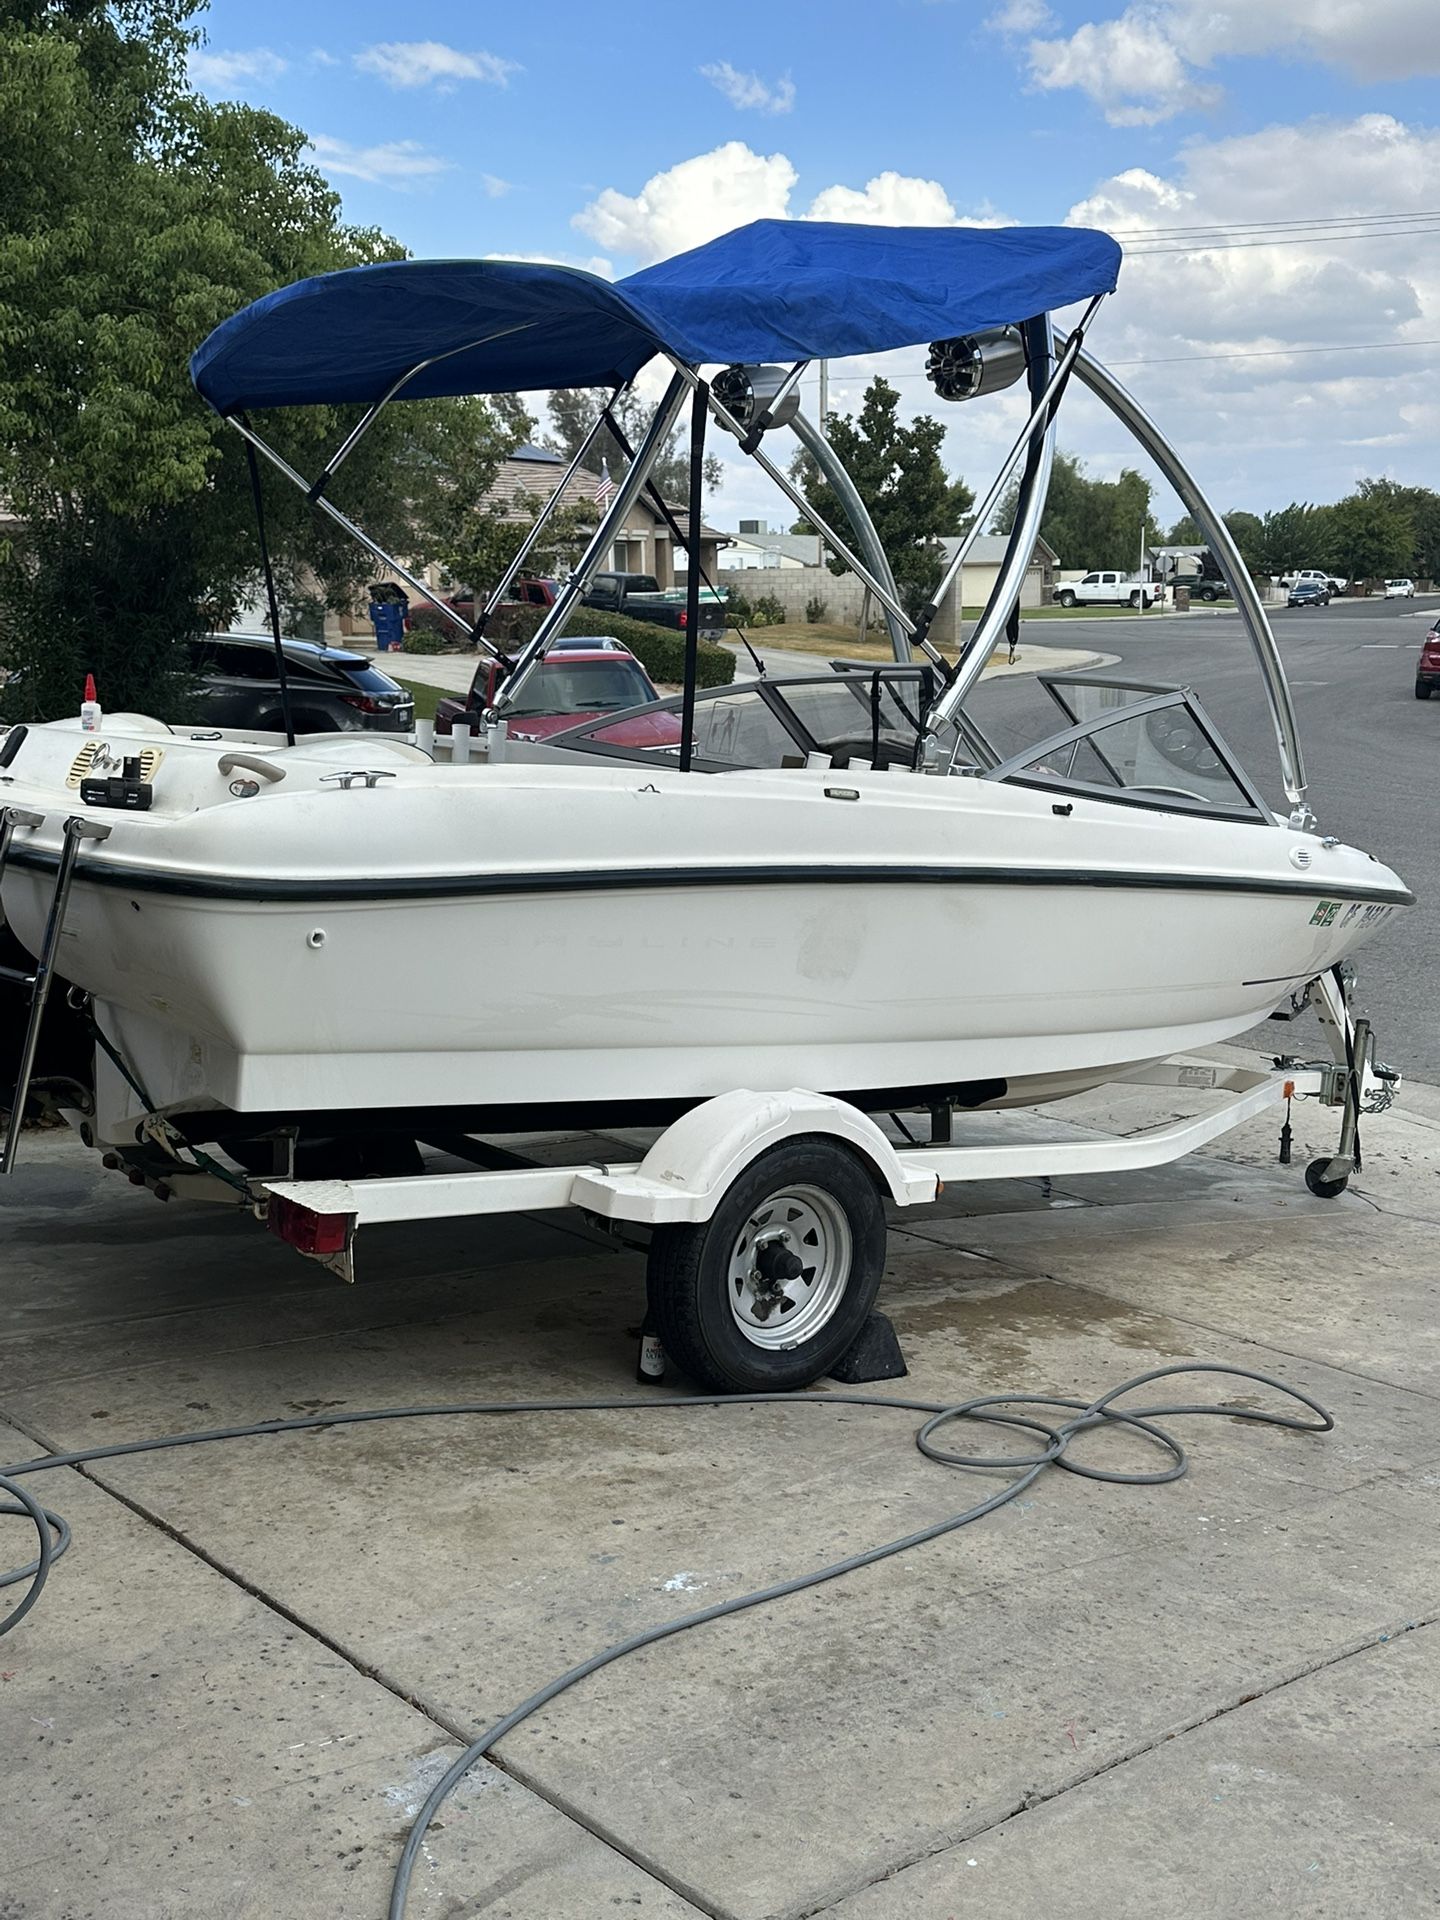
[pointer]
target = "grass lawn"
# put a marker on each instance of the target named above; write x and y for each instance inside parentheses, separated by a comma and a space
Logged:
(827, 637)
(426, 696)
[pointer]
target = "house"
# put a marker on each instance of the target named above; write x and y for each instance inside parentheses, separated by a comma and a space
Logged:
(644, 544)
(978, 577)
(528, 473)
(755, 545)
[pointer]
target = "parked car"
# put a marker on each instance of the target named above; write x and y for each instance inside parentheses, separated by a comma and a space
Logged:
(332, 690)
(1106, 589)
(1308, 593)
(565, 692)
(528, 591)
(1333, 583)
(641, 597)
(1427, 667)
(1205, 587)
(1399, 589)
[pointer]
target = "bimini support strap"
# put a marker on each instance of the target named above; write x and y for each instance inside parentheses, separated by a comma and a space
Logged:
(1040, 422)
(792, 493)
(257, 494)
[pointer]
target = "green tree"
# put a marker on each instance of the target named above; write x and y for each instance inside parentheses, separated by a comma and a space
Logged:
(1421, 505)
(574, 411)
(1247, 530)
(1091, 523)
(1299, 535)
(1371, 535)
(899, 474)
(134, 216)
(1185, 533)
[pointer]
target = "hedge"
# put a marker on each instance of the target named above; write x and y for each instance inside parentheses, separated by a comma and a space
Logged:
(660, 650)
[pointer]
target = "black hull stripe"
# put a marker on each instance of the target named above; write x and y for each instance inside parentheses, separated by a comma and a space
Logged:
(631, 879)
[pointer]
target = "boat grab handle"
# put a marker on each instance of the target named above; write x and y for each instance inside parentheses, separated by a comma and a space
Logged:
(252, 763)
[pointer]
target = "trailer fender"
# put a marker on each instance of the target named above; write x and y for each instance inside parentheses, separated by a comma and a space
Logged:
(696, 1160)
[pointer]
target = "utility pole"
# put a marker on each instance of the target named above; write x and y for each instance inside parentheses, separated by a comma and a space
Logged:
(824, 397)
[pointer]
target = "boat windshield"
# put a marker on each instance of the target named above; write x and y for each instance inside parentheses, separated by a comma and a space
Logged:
(1139, 743)
(870, 716)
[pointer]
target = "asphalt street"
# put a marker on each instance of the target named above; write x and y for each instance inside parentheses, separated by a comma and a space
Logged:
(1372, 756)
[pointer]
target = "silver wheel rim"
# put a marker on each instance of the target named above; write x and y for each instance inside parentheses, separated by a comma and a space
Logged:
(779, 1312)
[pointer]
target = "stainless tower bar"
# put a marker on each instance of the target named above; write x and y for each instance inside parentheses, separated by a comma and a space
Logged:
(868, 540)
(1218, 538)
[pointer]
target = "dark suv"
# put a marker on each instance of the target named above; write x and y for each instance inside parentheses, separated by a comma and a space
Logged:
(331, 689)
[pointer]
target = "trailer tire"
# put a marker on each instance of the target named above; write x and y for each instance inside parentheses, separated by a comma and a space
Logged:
(737, 1327)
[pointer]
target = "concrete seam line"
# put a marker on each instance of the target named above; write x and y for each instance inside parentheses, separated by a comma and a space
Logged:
(968, 1835)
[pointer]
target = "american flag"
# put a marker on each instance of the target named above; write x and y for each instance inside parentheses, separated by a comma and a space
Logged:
(604, 487)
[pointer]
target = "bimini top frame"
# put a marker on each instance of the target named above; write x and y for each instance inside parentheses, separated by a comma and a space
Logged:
(775, 291)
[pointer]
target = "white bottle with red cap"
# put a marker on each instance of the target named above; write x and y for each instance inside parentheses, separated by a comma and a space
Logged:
(90, 715)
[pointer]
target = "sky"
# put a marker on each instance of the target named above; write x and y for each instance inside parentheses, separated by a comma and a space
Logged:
(1271, 168)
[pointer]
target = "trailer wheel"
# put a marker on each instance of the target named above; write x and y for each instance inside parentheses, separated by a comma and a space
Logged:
(1318, 1181)
(768, 1293)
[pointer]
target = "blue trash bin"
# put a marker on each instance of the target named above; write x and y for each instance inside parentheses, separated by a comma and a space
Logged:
(387, 617)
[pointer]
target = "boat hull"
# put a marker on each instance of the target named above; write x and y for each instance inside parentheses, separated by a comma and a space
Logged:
(919, 943)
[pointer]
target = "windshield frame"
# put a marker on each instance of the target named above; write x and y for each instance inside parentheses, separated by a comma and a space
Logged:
(1018, 770)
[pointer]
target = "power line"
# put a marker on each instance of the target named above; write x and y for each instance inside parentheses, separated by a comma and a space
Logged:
(1273, 226)
(1297, 240)
(1272, 353)
(1178, 359)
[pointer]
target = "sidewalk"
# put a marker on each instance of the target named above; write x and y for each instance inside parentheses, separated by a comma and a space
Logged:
(1219, 1697)
(455, 671)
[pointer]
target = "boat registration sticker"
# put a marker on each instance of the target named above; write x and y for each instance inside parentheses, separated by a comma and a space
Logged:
(1324, 914)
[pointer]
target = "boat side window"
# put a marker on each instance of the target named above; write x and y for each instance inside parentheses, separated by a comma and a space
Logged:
(732, 730)
(1162, 755)
(739, 730)
(844, 714)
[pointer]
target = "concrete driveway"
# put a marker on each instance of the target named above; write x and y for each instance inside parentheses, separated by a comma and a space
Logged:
(1219, 1697)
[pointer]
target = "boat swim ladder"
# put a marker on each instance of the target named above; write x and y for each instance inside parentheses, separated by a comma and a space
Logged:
(37, 984)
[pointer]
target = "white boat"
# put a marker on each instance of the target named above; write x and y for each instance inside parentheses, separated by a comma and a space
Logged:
(835, 884)
(594, 934)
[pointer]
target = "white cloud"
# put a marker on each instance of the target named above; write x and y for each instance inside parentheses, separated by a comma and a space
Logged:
(395, 163)
(1022, 16)
(747, 91)
(427, 63)
(1129, 67)
(1146, 64)
(221, 72)
(890, 199)
(494, 187)
(699, 198)
(690, 203)
(1290, 421)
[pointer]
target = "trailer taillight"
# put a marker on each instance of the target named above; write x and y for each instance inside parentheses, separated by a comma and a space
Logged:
(307, 1231)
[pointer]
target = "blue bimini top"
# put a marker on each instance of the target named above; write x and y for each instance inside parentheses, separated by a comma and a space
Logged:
(775, 290)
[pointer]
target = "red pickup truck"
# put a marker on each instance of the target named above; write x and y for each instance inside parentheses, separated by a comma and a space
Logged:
(567, 689)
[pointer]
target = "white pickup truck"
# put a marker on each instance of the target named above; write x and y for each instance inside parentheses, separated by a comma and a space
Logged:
(1106, 589)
